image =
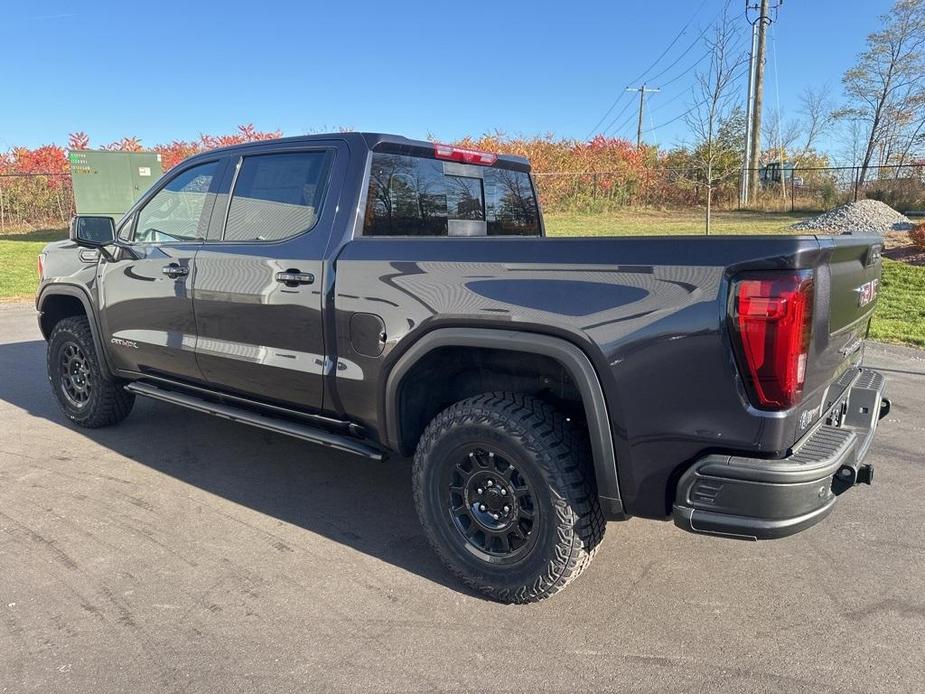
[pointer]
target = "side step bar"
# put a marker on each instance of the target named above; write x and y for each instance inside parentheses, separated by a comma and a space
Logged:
(238, 414)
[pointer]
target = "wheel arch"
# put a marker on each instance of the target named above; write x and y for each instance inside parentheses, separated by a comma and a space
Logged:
(60, 301)
(569, 356)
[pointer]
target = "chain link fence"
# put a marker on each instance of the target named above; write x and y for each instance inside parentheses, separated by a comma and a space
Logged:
(30, 200)
(35, 199)
(810, 190)
(816, 189)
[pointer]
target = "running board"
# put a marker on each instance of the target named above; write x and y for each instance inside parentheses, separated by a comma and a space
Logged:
(238, 414)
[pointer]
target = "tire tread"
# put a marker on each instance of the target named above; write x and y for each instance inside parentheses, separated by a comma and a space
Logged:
(563, 456)
(112, 403)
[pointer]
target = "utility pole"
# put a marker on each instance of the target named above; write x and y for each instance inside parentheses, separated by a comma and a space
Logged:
(642, 107)
(746, 154)
(761, 23)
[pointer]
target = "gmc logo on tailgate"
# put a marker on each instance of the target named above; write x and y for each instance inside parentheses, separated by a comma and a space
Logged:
(867, 292)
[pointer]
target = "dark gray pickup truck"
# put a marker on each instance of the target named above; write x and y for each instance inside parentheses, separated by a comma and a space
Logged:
(382, 296)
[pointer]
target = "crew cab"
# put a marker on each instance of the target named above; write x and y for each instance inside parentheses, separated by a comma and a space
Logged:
(392, 297)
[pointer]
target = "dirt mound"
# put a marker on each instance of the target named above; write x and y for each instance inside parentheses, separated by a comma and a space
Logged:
(863, 215)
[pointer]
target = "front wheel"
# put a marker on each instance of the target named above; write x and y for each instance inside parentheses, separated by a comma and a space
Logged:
(86, 394)
(503, 488)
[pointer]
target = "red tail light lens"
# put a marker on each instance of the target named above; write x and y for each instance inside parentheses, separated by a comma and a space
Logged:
(466, 156)
(773, 324)
(40, 263)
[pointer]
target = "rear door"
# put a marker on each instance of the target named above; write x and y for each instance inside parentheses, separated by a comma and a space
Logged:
(257, 293)
(145, 290)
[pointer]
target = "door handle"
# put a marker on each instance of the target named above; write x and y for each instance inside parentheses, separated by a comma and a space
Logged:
(292, 278)
(174, 270)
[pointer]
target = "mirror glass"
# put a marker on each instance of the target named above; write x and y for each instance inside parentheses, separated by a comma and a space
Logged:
(96, 231)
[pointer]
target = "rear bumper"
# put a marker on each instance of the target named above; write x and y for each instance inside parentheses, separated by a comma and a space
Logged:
(755, 498)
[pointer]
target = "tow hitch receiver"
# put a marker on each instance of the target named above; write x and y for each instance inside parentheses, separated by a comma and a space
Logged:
(848, 476)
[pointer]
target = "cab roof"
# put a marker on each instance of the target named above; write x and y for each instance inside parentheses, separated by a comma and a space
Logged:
(371, 141)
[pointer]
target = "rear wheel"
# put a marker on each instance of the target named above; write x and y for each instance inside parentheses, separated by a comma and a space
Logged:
(503, 488)
(86, 394)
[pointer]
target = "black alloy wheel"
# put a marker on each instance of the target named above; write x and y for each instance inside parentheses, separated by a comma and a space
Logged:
(491, 504)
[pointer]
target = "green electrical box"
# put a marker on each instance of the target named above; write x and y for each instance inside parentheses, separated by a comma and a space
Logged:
(107, 183)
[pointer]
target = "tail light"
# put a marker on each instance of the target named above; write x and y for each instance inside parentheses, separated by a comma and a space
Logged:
(466, 156)
(40, 266)
(772, 319)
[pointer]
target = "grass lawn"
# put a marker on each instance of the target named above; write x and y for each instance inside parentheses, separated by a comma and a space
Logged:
(652, 222)
(18, 253)
(900, 315)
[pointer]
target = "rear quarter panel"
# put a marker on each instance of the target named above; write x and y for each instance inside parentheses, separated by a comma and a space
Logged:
(649, 312)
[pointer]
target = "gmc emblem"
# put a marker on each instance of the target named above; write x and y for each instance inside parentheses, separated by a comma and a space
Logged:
(867, 292)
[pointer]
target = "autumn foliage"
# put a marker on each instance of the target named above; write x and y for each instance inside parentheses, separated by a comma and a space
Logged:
(917, 236)
(35, 185)
(600, 174)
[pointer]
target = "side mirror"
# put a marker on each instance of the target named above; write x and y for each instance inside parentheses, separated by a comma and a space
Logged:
(91, 231)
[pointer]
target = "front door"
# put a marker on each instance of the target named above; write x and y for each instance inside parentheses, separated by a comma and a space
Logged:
(145, 287)
(257, 292)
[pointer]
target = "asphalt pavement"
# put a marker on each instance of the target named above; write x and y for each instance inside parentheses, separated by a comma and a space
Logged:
(179, 552)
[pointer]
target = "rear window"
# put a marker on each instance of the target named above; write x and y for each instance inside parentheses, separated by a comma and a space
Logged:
(416, 196)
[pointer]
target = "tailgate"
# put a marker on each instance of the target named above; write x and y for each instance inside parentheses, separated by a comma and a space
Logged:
(847, 285)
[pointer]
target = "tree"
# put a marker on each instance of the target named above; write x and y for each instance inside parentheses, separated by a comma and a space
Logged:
(817, 115)
(887, 85)
(714, 96)
(781, 136)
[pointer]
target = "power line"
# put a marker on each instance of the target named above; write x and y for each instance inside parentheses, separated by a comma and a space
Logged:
(673, 42)
(646, 71)
(670, 101)
(681, 74)
(688, 49)
(622, 111)
(695, 106)
(607, 113)
(623, 124)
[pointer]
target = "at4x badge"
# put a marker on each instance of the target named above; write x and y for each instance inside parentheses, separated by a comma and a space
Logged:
(124, 343)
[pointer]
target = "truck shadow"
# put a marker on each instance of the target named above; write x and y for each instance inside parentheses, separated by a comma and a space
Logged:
(364, 505)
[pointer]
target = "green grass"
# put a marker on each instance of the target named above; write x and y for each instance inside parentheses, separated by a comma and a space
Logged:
(900, 313)
(18, 253)
(651, 222)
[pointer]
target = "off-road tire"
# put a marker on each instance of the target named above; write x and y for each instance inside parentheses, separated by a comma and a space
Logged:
(552, 457)
(106, 401)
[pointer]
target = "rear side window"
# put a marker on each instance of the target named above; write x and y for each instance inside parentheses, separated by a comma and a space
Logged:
(277, 196)
(417, 196)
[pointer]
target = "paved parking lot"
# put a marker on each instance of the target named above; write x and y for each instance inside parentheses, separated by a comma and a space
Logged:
(178, 552)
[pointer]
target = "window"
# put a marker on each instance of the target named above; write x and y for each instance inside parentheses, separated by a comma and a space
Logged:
(178, 211)
(277, 196)
(512, 208)
(418, 196)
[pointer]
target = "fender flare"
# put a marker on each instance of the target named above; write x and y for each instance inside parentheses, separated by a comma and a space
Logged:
(571, 357)
(79, 293)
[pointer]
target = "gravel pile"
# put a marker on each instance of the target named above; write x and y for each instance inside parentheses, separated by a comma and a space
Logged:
(863, 215)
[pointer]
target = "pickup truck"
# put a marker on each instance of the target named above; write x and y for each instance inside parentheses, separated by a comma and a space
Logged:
(392, 297)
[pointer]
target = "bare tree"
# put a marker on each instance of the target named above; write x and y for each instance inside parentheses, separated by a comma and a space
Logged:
(782, 137)
(714, 100)
(817, 115)
(888, 80)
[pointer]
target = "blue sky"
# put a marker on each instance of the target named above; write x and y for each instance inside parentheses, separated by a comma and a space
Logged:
(169, 70)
